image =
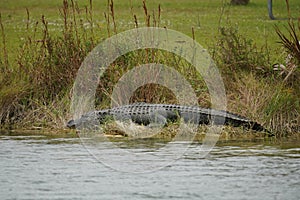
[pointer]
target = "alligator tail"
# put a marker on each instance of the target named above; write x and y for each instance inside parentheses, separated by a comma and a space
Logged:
(258, 127)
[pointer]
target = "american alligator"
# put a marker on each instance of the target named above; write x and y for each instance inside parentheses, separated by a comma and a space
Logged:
(145, 113)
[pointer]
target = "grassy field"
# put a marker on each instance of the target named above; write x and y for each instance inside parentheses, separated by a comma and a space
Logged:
(35, 81)
(206, 16)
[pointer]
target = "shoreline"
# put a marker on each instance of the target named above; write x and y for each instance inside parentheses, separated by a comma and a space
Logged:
(167, 134)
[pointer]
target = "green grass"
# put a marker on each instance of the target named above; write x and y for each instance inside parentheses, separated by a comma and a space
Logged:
(43, 57)
(180, 15)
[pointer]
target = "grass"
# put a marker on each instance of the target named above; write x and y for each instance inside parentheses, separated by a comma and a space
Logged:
(169, 133)
(44, 43)
(180, 15)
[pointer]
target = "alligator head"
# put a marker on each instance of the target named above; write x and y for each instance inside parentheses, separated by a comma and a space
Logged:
(71, 124)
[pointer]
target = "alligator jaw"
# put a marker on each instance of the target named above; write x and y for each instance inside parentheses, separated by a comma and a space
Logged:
(71, 124)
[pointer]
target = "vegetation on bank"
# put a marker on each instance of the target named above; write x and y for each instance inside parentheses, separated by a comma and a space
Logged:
(36, 84)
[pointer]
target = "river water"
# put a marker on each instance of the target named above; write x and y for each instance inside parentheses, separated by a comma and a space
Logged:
(41, 167)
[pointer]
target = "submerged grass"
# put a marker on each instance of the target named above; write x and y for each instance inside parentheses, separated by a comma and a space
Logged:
(36, 85)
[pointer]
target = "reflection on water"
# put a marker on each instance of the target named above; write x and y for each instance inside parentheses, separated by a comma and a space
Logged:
(39, 167)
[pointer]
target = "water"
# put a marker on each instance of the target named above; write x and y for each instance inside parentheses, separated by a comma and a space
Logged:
(39, 167)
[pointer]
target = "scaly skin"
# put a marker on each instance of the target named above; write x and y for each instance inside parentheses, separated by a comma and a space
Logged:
(145, 113)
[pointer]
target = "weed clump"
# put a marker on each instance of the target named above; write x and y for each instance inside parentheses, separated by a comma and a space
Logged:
(254, 89)
(234, 52)
(290, 71)
(45, 69)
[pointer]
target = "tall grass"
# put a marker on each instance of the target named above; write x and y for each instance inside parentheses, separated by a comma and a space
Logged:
(153, 93)
(46, 66)
(254, 89)
(291, 43)
(235, 52)
(35, 89)
(285, 103)
(4, 63)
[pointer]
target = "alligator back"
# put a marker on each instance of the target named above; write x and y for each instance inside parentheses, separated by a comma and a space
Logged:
(145, 113)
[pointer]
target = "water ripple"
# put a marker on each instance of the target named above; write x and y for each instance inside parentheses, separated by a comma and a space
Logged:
(37, 167)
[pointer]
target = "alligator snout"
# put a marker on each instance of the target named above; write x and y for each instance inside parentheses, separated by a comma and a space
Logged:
(71, 124)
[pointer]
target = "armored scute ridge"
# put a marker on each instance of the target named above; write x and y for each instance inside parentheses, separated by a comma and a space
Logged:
(145, 113)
